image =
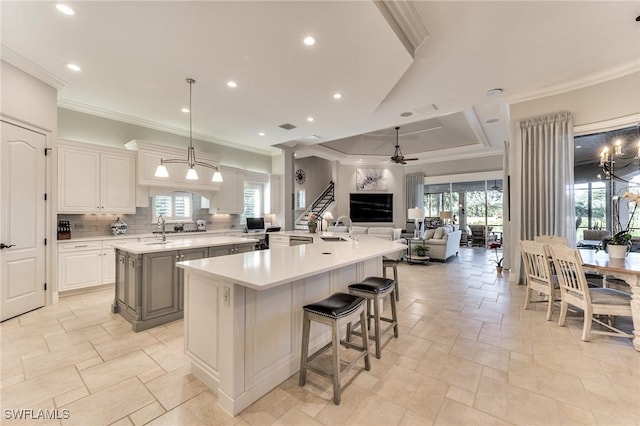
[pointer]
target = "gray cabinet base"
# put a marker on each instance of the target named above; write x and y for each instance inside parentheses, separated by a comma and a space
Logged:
(141, 325)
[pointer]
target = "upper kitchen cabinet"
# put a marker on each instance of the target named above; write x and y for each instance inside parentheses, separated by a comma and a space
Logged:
(230, 198)
(95, 179)
(149, 156)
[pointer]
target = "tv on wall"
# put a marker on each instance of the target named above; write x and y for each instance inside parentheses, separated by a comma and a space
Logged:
(371, 207)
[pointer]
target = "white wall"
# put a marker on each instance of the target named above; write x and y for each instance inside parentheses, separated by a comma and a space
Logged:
(28, 99)
(81, 127)
(346, 184)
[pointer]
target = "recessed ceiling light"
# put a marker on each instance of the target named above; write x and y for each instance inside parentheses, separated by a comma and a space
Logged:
(185, 110)
(309, 41)
(65, 9)
(74, 67)
(261, 133)
(232, 84)
(494, 92)
(337, 95)
(309, 119)
(492, 120)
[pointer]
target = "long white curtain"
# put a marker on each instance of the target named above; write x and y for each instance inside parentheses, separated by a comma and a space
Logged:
(544, 154)
(414, 190)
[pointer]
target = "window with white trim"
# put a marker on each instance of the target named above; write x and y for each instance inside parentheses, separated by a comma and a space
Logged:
(175, 207)
(253, 199)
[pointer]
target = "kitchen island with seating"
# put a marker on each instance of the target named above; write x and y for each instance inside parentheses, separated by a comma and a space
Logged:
(149, 289)
(243, 314)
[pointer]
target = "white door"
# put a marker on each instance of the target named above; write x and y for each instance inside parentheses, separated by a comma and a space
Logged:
(22, 220)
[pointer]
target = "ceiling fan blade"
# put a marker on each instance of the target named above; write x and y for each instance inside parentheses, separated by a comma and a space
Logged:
(411, 159)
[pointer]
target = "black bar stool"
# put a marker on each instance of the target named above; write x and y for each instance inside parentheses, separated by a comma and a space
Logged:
(392, 263)
(375, 289)
(335, 311)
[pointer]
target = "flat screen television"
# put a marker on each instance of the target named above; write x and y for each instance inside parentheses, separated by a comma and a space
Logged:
(255, 224)
(371, 207)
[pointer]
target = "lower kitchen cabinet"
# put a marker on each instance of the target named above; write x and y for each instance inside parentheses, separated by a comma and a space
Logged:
(85, 264)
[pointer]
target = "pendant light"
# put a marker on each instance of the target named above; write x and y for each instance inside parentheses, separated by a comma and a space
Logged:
(192, 174)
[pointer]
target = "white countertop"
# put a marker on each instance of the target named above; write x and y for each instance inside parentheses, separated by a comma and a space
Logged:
(265, 269)
(187, 243)
(172, 235)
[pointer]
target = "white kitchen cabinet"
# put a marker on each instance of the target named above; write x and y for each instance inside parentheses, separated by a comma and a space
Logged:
(95, 179)
(87, 263)
(230, 197)
(149, 156)
(274, 194)
(79, 265)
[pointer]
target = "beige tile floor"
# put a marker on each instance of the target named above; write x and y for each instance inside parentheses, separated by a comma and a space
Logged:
(468, 354)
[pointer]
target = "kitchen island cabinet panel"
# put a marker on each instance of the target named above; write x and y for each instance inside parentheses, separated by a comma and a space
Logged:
(159, 284)
(149, 288)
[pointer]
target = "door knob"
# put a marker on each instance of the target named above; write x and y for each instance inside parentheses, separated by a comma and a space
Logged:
(4, 246)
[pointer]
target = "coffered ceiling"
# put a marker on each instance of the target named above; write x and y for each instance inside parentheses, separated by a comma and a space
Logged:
(135, 57)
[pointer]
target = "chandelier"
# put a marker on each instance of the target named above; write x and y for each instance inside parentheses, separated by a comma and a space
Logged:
(192, 174)
(615, 159)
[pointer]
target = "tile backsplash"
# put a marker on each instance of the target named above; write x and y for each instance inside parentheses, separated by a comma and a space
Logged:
(98, 225)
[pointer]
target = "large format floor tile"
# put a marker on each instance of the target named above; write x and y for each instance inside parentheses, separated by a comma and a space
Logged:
(468, 354)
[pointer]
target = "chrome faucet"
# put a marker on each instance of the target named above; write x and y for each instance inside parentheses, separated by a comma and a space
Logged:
(161, 224)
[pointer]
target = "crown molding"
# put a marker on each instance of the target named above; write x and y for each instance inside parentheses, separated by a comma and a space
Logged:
(405, 22)
(590, 80)
(117, 116)
(607, 125)
(31, 68)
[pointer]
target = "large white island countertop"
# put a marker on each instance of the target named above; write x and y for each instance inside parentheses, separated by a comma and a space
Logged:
(265, 269)
(182, 244)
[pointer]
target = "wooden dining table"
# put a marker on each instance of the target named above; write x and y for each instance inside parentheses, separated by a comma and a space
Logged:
(627, 269)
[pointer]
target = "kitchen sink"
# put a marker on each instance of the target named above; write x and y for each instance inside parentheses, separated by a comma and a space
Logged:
(333, 239)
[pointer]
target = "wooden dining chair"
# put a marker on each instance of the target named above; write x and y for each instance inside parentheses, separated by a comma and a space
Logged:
(593, 301)
(538, 274)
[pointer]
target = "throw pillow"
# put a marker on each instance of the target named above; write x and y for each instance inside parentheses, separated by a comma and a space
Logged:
(429, 234)
(439, 233)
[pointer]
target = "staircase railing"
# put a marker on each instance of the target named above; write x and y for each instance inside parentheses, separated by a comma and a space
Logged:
(321, 204)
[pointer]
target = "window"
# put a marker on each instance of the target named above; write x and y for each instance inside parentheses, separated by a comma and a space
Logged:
(594, 193)
(301, 199)
(175, 207)
(253, 199)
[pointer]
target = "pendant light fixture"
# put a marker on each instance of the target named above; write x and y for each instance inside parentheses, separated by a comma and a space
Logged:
(192, 174)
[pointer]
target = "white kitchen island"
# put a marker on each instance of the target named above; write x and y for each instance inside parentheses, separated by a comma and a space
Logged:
(243, 314)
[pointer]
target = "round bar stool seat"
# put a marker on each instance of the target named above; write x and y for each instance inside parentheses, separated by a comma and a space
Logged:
(335, 311)
(375, 289)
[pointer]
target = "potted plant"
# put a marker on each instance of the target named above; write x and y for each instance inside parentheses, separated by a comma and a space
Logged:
(421, 250)
(313, 223)
(619, 244)
(498, 261)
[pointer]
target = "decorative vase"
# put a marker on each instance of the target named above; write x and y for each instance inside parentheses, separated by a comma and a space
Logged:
(617, 252)
(313, 227)
(499, 269)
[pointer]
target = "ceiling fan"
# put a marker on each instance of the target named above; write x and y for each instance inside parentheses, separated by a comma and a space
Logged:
(398, 157)
(495, 186)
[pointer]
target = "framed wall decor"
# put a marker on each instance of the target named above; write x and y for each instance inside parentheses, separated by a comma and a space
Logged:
(371, 180)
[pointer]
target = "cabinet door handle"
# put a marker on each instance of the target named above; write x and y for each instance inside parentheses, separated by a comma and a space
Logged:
(83, 245)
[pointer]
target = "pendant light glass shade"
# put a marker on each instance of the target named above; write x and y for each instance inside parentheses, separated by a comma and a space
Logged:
(217, 177)
(191, 162)
(192, 174)
(161, 171)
